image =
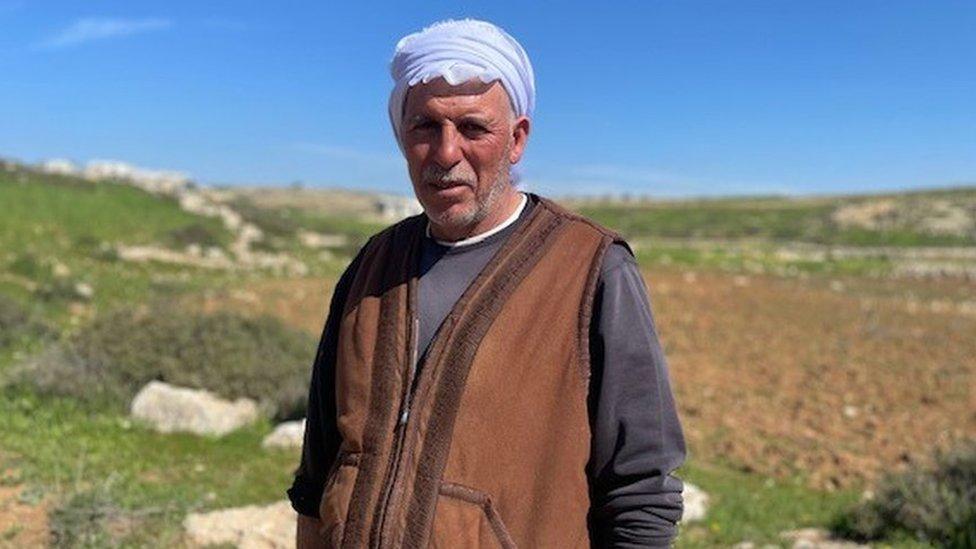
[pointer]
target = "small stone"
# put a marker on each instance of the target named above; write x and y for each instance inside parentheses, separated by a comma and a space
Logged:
(289, 434)
(695, 503)
(60, 270)
(84, 290)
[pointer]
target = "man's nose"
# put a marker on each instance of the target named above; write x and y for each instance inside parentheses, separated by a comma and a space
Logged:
(447, 150)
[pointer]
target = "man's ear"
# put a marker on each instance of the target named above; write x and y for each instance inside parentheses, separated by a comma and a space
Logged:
(520, 137)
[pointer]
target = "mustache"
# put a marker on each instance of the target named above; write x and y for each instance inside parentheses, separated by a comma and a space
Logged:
(458, 174)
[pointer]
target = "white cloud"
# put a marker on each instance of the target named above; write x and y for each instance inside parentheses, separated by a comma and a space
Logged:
(90, 29)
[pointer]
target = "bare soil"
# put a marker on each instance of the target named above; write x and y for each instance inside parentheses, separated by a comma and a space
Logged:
(834, 381)
(22, 523)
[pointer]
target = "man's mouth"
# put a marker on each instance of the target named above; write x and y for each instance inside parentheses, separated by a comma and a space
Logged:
(449, 184)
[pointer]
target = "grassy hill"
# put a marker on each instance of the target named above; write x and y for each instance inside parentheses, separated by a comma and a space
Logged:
(919, 218)
(58, 232)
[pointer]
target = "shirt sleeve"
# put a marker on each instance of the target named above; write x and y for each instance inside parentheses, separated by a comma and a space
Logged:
(321, 443)
(637, 440)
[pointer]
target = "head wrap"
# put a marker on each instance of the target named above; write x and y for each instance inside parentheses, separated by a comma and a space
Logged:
(459, 51)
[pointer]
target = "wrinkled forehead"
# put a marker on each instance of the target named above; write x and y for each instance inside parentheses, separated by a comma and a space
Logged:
(489, 96)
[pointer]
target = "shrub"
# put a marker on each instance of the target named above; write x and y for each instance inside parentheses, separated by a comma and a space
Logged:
(274, 222)
(935, 504)
(17, 324)
(28, 265)
(87, 519)
(232, 355)
(195, 233)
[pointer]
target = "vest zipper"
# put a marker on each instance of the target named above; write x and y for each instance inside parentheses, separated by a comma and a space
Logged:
(399, 432)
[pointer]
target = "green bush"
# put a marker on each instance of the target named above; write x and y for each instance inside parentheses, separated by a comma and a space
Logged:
(272, 221)
(194, 233)
(231, 355)
(935, 504)
(28, 265)
(17, 324)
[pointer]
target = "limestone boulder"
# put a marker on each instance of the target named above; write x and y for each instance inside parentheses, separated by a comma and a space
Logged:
(168, 408)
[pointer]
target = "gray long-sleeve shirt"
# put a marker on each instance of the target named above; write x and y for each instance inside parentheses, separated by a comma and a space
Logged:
(637, 439)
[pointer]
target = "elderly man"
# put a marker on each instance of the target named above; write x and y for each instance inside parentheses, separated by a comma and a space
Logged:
(489, 373)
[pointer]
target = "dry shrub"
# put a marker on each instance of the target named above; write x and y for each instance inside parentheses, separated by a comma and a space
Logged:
(17, 323)
(935, 504)
(230, 354)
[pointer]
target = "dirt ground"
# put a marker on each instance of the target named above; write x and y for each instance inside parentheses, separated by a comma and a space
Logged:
(835, 380)
(23, 523)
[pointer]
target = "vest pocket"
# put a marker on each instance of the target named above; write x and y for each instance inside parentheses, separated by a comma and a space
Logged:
(335, 498)
(466, 517)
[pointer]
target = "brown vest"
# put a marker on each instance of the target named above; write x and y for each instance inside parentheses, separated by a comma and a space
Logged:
(489, 447)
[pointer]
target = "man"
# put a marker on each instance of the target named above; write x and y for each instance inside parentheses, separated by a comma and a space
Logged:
(489, 373)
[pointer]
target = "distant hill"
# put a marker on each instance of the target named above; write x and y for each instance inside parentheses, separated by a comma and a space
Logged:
(940, 217)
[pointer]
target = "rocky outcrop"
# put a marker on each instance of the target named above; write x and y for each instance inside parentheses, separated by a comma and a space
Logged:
(191, 199)
(169, 409)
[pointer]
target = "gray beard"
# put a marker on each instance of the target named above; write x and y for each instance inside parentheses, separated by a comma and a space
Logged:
(484, 204)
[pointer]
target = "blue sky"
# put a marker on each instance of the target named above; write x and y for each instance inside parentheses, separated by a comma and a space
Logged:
(661, 98)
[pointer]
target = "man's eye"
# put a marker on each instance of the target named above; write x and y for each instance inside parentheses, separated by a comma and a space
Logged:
(426, 125)
(471, 128)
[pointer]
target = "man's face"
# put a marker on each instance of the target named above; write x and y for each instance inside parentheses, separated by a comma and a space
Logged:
(460, 142)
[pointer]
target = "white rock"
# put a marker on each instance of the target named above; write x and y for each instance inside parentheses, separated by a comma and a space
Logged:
(695, 503)
(311, 239)
(289, 434)
(251, 527)
(170, 409)
(59, 166)
(60, 270)
(84, 290)
(817, 538)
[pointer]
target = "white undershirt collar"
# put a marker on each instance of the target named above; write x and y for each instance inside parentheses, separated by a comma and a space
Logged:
(479, 237)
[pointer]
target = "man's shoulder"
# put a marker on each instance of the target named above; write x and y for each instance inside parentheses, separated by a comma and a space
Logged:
(397, 233)
(585, 223)
(402, 227)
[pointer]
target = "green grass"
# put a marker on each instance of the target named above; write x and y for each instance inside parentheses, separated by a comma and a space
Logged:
(49, 220)
(759, 258)
(771, 219)
(61, 448)
(745, 507)
(49, 214)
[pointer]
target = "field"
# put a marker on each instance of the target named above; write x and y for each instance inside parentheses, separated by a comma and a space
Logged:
(813, 344)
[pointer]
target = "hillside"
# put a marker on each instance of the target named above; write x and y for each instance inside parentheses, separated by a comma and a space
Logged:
(813, 343)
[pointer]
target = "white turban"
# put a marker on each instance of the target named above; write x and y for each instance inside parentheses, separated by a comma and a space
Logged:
(460, 51)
